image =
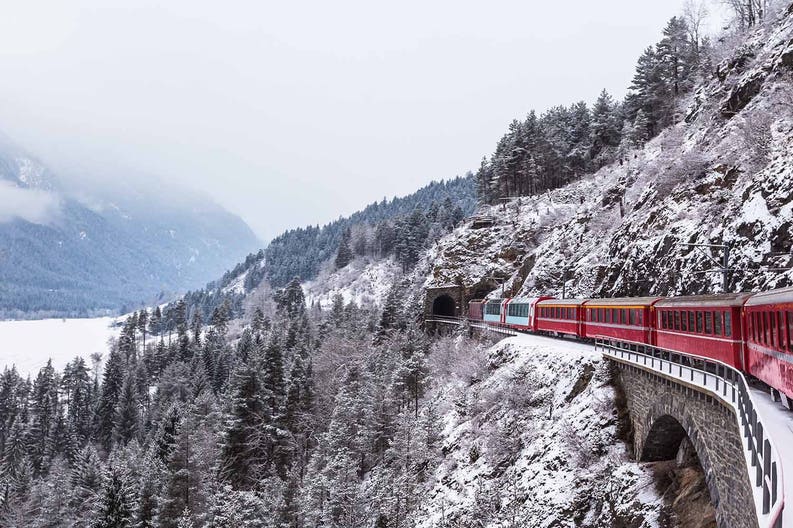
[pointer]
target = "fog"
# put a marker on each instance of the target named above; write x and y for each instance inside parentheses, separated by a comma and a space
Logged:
(292, 113)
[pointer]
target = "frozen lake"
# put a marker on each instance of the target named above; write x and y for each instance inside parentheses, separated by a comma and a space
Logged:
(29, 344)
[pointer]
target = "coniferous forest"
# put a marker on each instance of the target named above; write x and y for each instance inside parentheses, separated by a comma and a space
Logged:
(560, 145)
(192, 427)
(243, 405)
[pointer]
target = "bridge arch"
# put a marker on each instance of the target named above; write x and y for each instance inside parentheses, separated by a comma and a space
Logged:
(444, 305)
(669, 432)
(667, 413)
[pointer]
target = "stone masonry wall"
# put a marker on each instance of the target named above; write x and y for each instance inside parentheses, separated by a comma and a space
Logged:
(659, 408)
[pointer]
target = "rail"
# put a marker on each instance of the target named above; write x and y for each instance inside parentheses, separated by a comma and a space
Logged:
(499, 328)
(729, 385)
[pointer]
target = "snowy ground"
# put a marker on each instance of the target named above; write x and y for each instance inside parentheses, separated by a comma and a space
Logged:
(364, 281)
(533, 444)
(29, 344)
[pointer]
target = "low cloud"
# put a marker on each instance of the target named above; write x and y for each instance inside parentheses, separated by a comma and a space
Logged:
(33, 205)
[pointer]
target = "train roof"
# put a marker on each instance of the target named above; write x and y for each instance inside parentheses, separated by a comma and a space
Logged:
(527, 300)
(623, 301)
(722, 299)
(562, 302)
(782, 295)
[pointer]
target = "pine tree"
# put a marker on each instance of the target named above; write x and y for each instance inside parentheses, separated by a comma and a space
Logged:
(677, 54)
(143, 325)
(155, 322)
(86, 482)
(606, 127)
(247, 437)
(44, 414)
(112, 385)
(344, 254)
(116, 504)
(78, 391)
(127, 419)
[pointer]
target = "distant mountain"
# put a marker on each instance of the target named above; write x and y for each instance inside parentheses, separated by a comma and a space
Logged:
(68, 252)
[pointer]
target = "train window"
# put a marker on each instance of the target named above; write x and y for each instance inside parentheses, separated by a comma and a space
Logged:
(699, 322)
(728, 324)
(717, 323)
(640, 317)
(633, 317)
(624, 316)
(677, 320)
(493, 308)
(755, 327)
(663, 319)
(780, 327)
(684, 321)
(790, 331)
(692, 322)
(766, 328)
(708, 322)
(571, 313)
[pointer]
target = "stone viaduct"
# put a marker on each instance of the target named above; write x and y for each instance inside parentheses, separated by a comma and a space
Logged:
(672, 419)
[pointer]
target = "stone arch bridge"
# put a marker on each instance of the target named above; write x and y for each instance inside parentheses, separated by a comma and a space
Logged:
(679, 413)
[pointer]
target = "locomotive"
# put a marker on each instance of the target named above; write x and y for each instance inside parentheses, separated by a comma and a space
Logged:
(750, 332)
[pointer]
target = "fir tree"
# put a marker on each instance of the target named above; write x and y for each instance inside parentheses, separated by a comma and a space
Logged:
(344, 253)
(116, 504)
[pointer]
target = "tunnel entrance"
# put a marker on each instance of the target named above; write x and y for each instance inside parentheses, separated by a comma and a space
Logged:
(445, 306)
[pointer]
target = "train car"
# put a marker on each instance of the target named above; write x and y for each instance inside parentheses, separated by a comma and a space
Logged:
(703, 325)
(521, 312)
(496, 311)
(768, 318)
(561, 316)
(476, 309)
(626, 319)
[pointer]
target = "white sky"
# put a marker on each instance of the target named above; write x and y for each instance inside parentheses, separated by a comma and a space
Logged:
(291, 113)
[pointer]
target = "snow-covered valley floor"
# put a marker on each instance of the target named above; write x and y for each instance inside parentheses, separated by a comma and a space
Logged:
(29, 344)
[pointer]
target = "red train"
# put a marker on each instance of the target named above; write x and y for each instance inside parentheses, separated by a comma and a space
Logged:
(751, 332)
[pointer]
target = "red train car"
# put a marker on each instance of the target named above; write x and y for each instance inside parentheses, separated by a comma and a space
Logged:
(561, 316)
(628, 319)
(476, 309)
(703, 325)
(769, 339)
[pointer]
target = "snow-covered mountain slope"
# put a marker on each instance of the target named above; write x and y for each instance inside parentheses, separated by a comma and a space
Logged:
(534, 443)
(724, 174)
(364, 281)
(69, 252)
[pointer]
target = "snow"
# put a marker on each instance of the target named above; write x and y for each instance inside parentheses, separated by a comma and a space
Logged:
(547, 455)
(778, 424)
(756, 210)
(364, 281)
(29, 344)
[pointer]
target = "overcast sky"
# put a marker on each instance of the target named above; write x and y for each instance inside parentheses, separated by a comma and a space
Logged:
(293, 113)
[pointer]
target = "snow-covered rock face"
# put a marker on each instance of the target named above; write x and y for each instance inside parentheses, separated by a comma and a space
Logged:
(725, 175)
(364, 281)
(535, 444)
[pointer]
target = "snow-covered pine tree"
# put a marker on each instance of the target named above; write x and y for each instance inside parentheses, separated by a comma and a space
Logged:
(344, 254)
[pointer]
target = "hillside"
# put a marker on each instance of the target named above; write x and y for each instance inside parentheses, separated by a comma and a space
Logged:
(383, 241)
(64, 252)
(723, 174)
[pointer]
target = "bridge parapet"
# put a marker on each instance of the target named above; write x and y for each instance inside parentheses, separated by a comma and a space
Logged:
(673, 397)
